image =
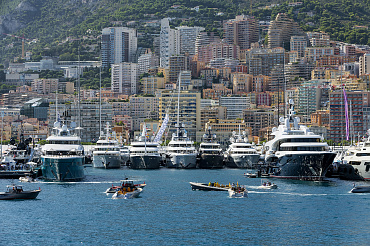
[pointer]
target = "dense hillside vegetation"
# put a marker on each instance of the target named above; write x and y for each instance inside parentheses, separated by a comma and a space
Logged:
(58, 27)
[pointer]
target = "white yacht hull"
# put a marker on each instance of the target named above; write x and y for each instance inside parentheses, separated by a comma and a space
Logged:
(361, 165)
(106, 161)
(242, 161)
(182, 161)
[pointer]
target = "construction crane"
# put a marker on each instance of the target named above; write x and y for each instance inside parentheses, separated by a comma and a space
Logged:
(23, 38)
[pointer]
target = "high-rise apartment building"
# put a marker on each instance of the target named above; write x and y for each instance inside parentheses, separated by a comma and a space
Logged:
(176, 64)
(261, 61)
(149, 85)
(187, 36)
(299, 44)
(357, 101)
(312, 54)
(218, 50)
(204, 39)
(189, 111)
(235, 105)
(147, 61)
(125, 78)
(44, 86)
(119, 44)
(365, 64)
(281, 29)
(169, 45)
(241, 31)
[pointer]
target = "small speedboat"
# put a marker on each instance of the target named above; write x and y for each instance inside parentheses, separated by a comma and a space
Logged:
(250, 175)
(26, 179)
(124, 183)
(14, 192)
(238, 192)
(267, 186)
(361, 189)
(210, 186)
(127, 193)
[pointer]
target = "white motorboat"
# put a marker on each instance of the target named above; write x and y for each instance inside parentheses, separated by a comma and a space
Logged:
(267, 186)
(124, 183)
(238, 192)
(250, 175)
(127, 193)
(26, 179)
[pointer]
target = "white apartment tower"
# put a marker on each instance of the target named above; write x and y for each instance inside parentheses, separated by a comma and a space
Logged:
(365, 64)
(169, 45)
(146, 61)
(119, 44)
(125, 78)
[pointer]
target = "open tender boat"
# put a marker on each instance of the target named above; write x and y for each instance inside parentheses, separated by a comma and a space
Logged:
(124, 183)
(250, 175)
(267, 185)
(210, 186)
(238, 191)
(14, 192)
(127, 193)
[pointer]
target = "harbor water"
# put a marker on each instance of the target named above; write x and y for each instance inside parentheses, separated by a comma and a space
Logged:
(168, 212)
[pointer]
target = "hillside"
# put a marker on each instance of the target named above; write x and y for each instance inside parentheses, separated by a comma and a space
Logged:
(58, 26)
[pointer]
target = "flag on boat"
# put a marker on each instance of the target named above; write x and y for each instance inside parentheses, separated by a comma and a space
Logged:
(162, 129)
(346, 113)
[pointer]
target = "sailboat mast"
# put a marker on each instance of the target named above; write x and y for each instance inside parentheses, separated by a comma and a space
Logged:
(178, 107)
(100, 100)
(56, 103)
(78, 91)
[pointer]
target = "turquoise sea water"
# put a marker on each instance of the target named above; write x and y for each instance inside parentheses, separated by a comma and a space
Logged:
(170, 213)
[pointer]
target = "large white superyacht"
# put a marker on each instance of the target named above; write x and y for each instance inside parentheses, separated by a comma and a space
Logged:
(295, 152)
(181, 152)
(107, 154)
(144, 154)
(241, 153)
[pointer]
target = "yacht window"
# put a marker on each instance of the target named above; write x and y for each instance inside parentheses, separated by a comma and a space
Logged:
(363, 154)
